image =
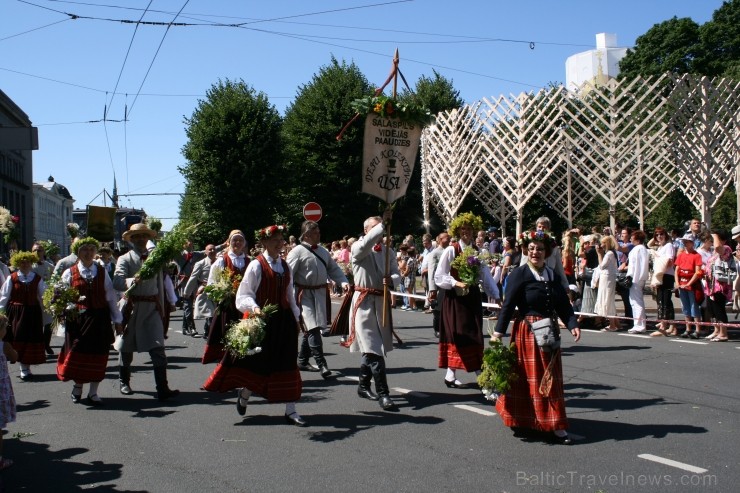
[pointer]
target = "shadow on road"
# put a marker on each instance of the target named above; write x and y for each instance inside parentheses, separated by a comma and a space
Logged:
(595, 431)
(37, 468)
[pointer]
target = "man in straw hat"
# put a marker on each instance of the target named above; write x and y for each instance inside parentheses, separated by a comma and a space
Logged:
(144, 312)
(311, 265)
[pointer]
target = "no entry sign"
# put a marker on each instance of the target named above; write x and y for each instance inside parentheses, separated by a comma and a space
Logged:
(312, 211)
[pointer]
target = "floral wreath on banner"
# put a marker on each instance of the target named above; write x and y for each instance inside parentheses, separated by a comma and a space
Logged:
(269, 231)
(388, 107)
(527, 237)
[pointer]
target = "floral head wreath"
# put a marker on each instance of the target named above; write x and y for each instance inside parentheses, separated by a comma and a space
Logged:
(527, 237)
(465, 218)
(87, 240)
(270, 231)
(19, 257)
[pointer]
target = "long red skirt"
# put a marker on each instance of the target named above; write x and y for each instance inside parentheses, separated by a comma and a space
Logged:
(214, 349)
(273, 373)
(26, 333)
(523, 405)
(461, 334)
(87, 341)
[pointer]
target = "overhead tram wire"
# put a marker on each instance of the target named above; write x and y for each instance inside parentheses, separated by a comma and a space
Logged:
(155, 55)
(35, 29)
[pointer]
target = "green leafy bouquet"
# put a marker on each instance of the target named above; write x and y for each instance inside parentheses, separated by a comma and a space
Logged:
(225, 287)
(245, 336)
(60, 300)
(498, 371)
(468, 266)
(168, 248)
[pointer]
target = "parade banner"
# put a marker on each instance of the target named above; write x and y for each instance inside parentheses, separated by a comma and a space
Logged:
(388, 157)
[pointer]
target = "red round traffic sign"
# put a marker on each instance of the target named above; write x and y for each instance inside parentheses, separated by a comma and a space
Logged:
(312, 211)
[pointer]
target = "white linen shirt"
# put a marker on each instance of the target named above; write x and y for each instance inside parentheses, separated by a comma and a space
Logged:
(7, 288)
(444, 280)
(246, 295)
(111, 296)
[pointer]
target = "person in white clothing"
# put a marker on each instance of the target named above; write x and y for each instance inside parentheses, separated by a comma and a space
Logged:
(637, 271)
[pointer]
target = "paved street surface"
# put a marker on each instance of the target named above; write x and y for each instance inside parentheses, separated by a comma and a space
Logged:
(652, 415)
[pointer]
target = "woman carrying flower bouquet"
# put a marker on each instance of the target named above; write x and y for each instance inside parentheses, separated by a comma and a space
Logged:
(88, 334)
(228, 267)
(536, 291)
(273, 372)
(461, 333)
(21, 297)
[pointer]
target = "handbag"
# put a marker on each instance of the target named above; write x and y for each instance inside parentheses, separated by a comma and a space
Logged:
(724, 272)
(623, 280)
(545, 334)
(587, 274)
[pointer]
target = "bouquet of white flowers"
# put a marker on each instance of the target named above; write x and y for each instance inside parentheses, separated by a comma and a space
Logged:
(245, 336)
(60, 299)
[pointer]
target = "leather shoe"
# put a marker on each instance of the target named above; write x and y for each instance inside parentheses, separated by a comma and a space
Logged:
(325, 371)
(386, 403)
(307, 367)
(126, 389)
(366, 394)
(49, 350)
(295, 419)
(94, 402)
(241, 409)
(453, 384)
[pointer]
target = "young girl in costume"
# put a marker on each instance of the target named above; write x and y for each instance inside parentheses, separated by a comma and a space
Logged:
(7, 399)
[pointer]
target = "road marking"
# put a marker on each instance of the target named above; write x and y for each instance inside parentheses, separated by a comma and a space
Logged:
(689, 342)
(640, 336)
(413, 393)
(356, 379)
(477, 410)
(673, 463)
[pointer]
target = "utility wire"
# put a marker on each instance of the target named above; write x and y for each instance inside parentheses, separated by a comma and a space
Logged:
(155, 56)
(35, 29)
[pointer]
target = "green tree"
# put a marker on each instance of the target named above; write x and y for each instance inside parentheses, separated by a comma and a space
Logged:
(435, 93)
(233, 160)
(670, 46)
(322, 168)
(720, 39)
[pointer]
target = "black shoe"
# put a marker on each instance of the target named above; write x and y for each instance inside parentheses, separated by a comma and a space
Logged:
(92, 402)
(241, 409)
(325, 371)
(27, 377)
(566, 440)
(436, 334)
(49, 351)
(686, 335)
(166, 393)
(453, 384)
(125, 389)
(386, 403)
(307, 367)
(694, 335)
(366, 393)
(76, 397)
(194, 333)
(295, 419)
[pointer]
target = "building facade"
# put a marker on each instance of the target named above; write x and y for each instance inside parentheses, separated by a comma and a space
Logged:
(52, 211)
(17, 139)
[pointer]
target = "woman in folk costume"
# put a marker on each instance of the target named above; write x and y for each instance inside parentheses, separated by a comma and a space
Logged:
(234, 261)
(88, 336)
(20, 297)
(273, 372)
(536, 291)
(461, 331)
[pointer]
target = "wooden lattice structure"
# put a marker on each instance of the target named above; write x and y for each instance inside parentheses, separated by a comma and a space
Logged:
(630, 142)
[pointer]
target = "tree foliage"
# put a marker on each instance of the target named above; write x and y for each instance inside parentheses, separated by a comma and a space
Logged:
(320, 167)
(233, 160)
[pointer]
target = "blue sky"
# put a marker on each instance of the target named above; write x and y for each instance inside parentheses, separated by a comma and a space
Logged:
(63, 70)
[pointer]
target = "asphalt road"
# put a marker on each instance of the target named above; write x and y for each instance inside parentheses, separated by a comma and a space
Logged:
(653, 415)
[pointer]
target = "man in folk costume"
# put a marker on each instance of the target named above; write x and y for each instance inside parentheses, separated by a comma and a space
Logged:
(370, 334)
(21, 297)
(144, 314)
(44, 268)
(461, 331)
(202, 306)
(312, 265)
(186, 263)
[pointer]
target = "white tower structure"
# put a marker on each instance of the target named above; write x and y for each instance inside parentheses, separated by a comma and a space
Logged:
(594, 66)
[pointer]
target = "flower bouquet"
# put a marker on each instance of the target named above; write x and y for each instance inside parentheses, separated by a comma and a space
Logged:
(60, 300)
(498, 371)
(169, 248)
(245, 336)
(224, 289)
(468, 266)
(8, 225)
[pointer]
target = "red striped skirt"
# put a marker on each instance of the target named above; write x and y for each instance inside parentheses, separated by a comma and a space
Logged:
(523, 405)
(81, 367)
(461, 334)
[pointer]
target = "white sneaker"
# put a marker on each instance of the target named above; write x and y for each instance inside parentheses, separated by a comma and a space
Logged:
(634, 330)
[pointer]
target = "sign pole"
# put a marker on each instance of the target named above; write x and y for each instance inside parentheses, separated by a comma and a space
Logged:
(388, 205)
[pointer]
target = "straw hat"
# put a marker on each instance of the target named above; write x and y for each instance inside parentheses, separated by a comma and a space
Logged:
(139, 229)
